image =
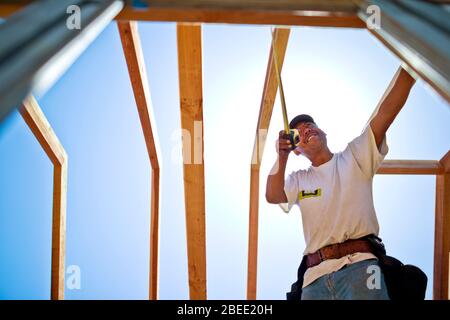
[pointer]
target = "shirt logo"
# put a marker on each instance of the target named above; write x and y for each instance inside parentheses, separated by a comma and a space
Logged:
(304, 194)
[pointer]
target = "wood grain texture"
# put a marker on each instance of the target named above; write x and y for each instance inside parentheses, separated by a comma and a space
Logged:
(410, 167)
(132, 49)
(191, 108)
(41, 129)
(37, 122)
(265, 113)
(252, 266)
(442, 233)
(326, 13)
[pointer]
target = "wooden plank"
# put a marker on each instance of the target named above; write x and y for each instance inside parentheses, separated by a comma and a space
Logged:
(252, 266)
(410, 167)
(265, 114)
(59, 230)
(326, 13)
(191, 108)
(39, 125)
(154, 236)
(37, 122)
(441, 233)
(132, 49)
(416, 40)
(248, 16)
(269, 94)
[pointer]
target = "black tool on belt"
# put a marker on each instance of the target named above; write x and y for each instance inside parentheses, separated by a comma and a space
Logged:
(403, 282)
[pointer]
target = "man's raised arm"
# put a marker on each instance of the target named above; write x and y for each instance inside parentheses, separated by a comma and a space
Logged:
(391, 103)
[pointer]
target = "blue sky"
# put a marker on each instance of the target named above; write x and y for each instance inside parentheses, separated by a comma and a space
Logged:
(336, 75)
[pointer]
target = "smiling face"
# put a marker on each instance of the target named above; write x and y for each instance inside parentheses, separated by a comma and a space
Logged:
(312, 139)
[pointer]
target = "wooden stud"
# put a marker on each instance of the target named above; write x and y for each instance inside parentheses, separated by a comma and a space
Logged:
(442, 232)
(320, 13)
(410, 167)
(37, 122)
(191, 109)
(265, 113)
(132, 49)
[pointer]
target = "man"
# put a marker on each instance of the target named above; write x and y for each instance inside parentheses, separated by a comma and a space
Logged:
(335, 198)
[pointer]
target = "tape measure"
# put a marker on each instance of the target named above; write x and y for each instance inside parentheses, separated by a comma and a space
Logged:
(294, 135)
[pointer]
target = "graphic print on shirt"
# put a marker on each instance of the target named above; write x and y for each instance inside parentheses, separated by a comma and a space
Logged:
(304, 194)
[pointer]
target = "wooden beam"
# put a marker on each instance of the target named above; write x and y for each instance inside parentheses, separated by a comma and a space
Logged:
(191, 108)
(252, 264)
(442, 233)
(265, 114)
(410, 167)
(37, 122)
(132, 49)
(59, 231)
(154, 236)
(247, 16)
(320, 13)
(416, 38)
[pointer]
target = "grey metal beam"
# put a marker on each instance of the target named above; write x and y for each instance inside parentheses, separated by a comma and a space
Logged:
(419, 37)
(36, 46)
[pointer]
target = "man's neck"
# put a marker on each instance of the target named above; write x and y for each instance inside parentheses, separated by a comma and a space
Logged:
(322, 157)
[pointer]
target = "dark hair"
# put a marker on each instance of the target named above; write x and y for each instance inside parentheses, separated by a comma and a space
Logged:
(300, 118)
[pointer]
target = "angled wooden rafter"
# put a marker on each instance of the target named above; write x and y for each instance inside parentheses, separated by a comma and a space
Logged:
(189, 42)
(265, 114)
(37, 122)
(131, 44)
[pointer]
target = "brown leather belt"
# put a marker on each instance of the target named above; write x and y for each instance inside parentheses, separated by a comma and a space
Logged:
(338, 250)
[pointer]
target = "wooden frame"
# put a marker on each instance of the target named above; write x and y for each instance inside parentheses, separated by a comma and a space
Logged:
(319, 13)
(265, 113)
(131, 45)
(442, 232)
(416, 167)
(189, 42)
(38, 124)
(409, 39)
(410, 167)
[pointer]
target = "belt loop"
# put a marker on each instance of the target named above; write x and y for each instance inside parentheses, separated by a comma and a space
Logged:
(320, 255)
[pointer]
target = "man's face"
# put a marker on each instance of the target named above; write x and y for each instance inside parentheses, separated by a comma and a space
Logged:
(312, 139)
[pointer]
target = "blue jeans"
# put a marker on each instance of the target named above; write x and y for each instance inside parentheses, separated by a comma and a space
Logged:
(358, 281)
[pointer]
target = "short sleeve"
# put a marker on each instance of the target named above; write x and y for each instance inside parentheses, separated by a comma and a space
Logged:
(291, 190)
(366, 153)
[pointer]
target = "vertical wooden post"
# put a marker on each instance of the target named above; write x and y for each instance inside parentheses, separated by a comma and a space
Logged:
(59, 230)
(442, 232)
(191, 107)
(134, 57)
(253, 233)
(37, 122)
(154, 235)
(265, 113)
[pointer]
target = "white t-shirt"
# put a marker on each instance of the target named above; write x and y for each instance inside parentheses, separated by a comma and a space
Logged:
(336, 200)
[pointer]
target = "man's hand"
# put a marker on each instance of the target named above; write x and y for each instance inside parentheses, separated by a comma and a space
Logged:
(284, 146)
